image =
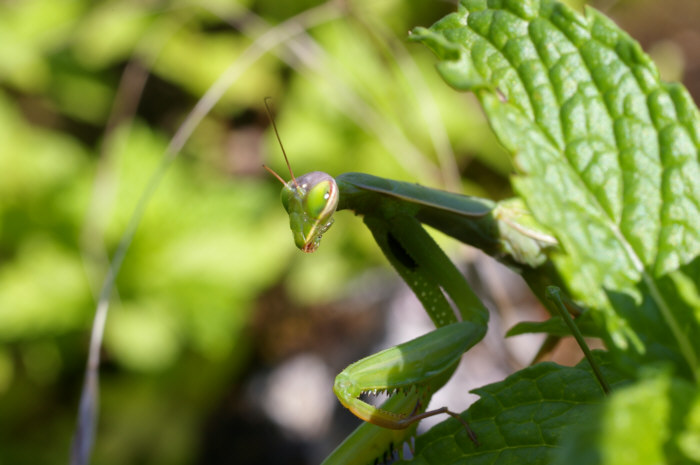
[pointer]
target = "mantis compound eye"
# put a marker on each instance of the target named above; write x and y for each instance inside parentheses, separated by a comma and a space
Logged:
(321, 200)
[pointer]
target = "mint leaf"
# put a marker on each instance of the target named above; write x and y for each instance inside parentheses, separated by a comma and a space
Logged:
(656, 420)
(606, 157)
(556, 326)
(520, 419)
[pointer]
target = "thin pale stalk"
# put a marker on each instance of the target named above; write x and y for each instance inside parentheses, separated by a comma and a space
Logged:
(554, 295)
(88, 412)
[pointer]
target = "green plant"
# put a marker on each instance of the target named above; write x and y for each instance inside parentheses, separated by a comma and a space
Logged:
(606, 159)
(90, 93)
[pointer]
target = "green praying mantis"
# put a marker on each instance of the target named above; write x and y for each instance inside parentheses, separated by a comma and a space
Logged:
(393, 211)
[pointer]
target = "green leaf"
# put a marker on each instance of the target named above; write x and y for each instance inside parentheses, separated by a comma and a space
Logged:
(656, 420)
(606, 158)
(556, 327)
(520, 419)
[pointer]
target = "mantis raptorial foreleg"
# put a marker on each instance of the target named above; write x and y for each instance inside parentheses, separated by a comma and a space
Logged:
(423, 361)
(419, 367)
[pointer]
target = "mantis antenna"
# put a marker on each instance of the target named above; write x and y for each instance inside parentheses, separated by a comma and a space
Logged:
(310, 201)
(274, 126)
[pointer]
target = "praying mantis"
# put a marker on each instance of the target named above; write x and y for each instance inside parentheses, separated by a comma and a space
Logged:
(393, 211)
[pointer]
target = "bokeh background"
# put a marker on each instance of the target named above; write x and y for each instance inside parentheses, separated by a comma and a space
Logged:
(223, 339)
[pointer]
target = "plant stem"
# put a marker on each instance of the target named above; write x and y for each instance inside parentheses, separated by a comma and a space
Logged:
(554, 295)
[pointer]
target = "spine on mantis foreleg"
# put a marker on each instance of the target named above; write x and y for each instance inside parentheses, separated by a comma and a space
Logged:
(369, 444)
(431, 360)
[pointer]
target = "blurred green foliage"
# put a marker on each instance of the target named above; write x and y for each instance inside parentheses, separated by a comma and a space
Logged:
(90, 95)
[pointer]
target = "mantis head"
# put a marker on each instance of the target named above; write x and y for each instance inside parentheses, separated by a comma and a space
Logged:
(310, 201)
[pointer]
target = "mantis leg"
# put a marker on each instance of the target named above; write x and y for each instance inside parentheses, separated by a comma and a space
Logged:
(371, 443)
(419, 367)
(427, 270)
